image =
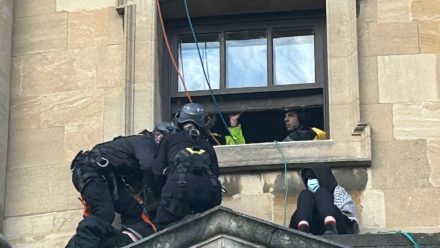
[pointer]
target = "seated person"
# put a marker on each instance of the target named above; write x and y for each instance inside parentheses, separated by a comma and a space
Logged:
(221, 136)
(293, 119)
(324, 207)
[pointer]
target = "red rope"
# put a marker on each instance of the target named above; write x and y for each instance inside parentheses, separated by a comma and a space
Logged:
(167, 43)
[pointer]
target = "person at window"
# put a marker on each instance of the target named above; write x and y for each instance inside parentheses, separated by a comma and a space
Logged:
(187, 168)
(294, 121)
(221, 136)
(324, 207)
(108, 176)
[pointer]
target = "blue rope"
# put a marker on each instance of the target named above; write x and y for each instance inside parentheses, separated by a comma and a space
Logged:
(217, 107)
(286, 181)
(408, 236)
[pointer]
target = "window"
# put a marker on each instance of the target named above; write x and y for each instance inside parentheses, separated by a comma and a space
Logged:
(256, 64)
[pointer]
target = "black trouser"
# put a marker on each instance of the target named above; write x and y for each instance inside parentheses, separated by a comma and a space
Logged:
(314, 207)
(197, 196)
(98, 194)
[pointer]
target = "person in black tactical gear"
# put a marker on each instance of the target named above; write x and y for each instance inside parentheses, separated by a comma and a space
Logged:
(108, 177)
(294, 121)
(188, 168)
(324, 207)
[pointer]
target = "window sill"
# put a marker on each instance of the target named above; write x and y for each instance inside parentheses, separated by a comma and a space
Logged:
(355, 152)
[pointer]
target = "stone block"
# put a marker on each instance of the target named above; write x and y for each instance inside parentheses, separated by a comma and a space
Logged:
(24, 8)
(339, 11)
(412, 207)
(115, 27)
(71, 6)
(25, 113)
(143, 109)
(42, 230)
(145, 59)
(368, 81)
(113, 112)
(54, 72)
(111, 66)
(39, 34)
(343, 130)
(40, 189)
(88, 29)
(407, 78)
(260, 206)
(425, 9)
(407, 159)
(83, 138)
(41, 225)
(413, 121)
(343, 73)
(381, 38)
(341, 39)
(373, 209)
(367, 11)
(380, 118)
(35, 147)
(429, 32)
(282, 209)
(434, 161)
(393, 11)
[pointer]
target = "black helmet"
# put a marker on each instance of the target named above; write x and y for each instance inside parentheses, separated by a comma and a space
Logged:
(191, 112)
(167, 127)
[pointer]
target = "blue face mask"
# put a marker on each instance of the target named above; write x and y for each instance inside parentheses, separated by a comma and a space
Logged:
(313, 185)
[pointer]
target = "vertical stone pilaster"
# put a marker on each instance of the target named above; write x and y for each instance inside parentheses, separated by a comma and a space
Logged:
(6, 14)
(343, 76)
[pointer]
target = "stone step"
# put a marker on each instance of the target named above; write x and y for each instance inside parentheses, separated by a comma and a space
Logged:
(394, 240)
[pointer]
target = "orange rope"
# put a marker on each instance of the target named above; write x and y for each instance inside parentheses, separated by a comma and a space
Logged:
(147, 220)
(167, 43)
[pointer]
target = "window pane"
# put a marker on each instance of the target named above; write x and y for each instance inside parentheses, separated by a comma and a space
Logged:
(246, 59)
(191, 67)
(294, 56)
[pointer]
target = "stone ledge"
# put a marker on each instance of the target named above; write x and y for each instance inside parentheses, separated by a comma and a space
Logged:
(265, 156)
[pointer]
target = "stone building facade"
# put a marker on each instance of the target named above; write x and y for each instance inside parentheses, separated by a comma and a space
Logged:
(76, 73)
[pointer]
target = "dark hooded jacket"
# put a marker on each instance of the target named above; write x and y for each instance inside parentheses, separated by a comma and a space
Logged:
(326, 179)
(324, 175)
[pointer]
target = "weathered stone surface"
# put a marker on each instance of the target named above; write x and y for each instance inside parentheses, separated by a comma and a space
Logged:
(407, 159)
(393, 11)
(35, 147)
(368, 81)
(381, 38)
(113, 113)
(143, 108)
(341, 39)
(42, 230)
(23, 8)
(434, 161)
(40, 189)
(39, 34)
(145, 59)
(342, 130)
(425, 9)
(83, 138)
(416, 121)
(407, 78)
(115, 27)
(342, 75)
(340, 11)
(412, 207)
(279, 207)
(260, 206)
(25, 113)
(71, 6)
(373, 209)
(367, 11)
(5, 84)
(88, 29)
(111, 66)
(54, 72)
(380, 118)
(3, 152)
(429, 32)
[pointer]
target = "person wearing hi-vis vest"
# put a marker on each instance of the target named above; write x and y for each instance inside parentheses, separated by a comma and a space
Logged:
(294, 121)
